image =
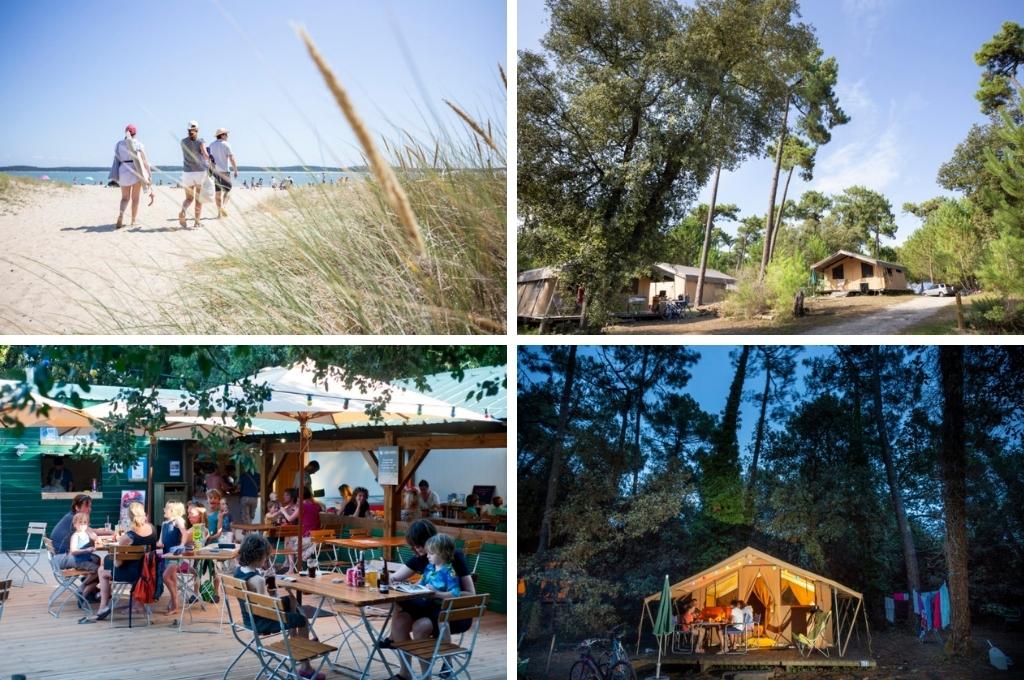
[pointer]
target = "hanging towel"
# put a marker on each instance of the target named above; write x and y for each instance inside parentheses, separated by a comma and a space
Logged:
(916, 598)
(945, 605)
(900, 597)
(937, 611)
(890, 610)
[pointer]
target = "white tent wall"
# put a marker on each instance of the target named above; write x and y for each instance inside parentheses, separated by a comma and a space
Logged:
(448, 471)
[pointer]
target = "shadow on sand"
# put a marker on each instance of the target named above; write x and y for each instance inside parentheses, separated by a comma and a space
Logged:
(96, 228)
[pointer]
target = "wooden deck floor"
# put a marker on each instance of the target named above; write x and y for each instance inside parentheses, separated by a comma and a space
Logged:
(35, 644)
(769, 658)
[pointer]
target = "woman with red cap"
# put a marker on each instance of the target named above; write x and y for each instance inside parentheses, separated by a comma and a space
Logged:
(131, 172)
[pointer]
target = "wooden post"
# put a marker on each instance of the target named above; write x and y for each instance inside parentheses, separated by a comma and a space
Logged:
(390, 518)
(959, 313)
(266, 458)
(304, 435)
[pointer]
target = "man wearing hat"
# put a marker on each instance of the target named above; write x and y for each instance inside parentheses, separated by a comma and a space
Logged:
(194, 164)
(221, 153)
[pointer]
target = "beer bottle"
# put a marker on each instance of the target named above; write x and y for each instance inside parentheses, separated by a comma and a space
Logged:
(382, 582)
(362, 569)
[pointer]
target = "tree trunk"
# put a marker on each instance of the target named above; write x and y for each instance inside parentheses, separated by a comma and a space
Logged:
(953, 457)
(699, 299)
(759, 436)
(641, 386)
(556, 454)
(885, 450)
(774, 189)
(778, 218)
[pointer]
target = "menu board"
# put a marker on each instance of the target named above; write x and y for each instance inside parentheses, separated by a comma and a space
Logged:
(387, 465)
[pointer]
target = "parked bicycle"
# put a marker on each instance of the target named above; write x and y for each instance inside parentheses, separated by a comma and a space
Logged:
(612, 664)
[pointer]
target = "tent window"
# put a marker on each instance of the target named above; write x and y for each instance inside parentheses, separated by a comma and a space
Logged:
(796, 590)
(866, 270)
(723, 591)
(837, 272)
(888, 270)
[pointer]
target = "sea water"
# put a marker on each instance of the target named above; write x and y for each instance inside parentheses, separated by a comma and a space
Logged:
(170, 178)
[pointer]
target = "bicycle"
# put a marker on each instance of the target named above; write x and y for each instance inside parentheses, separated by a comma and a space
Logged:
(616, 667)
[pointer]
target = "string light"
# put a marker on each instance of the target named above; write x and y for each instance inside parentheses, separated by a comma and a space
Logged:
(309, 400)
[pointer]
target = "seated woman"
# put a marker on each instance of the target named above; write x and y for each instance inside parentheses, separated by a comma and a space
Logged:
(172, 540)
(471, 506)
(696, 633)
(253, 556)
(358, 506)
(140, 533)
(418, 618)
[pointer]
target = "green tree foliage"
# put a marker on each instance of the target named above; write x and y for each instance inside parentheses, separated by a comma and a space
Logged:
(948, 247)
(1001, 57)
(1004, 268)
(626, 112)
(684, 241)
(868, 213)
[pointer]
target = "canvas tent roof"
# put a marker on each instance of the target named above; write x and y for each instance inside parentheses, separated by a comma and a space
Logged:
(541, 274)
(746, 557)
(840, 254)
(691, 273)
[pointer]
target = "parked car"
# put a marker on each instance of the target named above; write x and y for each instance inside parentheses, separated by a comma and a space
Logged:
(940, 290)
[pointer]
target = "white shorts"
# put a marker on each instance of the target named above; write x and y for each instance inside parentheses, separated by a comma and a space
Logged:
(193, 179)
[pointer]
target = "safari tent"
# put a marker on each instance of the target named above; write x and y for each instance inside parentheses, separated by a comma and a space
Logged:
(782, 593)
(852, 272)
(677, 279)
(538, 297)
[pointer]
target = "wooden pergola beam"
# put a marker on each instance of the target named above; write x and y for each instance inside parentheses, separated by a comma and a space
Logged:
(409, 469)
(489, 440)
(371, 460)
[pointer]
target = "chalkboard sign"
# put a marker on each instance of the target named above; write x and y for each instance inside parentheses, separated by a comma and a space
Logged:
(387, 465)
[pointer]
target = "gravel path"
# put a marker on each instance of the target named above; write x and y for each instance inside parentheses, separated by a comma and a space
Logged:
(889, 320)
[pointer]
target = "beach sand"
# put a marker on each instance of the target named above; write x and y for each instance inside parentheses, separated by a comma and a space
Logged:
(65, 269)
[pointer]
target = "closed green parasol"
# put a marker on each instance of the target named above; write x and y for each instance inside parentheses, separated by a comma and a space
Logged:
(663, 622)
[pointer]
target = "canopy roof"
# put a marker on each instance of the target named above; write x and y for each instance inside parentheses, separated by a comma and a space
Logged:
(60, 415)
(746, 557)
(842, 254)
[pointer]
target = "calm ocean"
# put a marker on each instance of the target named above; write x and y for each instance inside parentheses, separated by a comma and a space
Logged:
(172, 177)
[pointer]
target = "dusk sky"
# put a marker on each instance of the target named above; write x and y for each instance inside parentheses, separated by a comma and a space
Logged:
(907, 78)
(76, 73)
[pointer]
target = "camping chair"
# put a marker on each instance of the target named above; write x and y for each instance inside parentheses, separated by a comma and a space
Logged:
(281, 549)
(68, 584)
(5, 593)
(815, 638)
(473, 549)
(743, 630)
(26, 560)
(289, 652)
(683, 641)
(452, 659)
(118, 586)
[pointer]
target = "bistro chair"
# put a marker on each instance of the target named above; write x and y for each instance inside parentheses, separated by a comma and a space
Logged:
(5, 593)
(743, 631)
(452, 660)
(282, 659)
(319, 538)
(281, 534)
(118, 586)
(69, 584)
(473, 549)
(26, 560)
(234, 588)
(815, 640)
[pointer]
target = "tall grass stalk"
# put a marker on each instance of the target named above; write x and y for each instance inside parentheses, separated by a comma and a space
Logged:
(417, 247)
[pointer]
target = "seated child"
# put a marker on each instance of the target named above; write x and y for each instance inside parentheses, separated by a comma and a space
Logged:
(439, 575)
(254, 555)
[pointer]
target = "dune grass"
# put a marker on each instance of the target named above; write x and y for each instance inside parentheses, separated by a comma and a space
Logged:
(15, 190)
(417, 247)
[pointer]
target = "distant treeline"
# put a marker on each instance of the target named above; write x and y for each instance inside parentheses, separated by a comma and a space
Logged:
(241, 168)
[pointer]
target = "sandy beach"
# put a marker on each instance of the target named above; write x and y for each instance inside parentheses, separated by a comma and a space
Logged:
(65, 269)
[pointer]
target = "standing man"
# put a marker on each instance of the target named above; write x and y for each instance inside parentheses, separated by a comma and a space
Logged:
(195, 160)
(249, 487)
(220, 150)
(66, 479)
(428, 499)
(312, 467)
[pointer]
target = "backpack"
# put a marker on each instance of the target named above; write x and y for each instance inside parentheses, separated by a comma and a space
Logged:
(145, 587)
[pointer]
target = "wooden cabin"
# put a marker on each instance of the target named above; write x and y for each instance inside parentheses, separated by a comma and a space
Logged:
(846, 271)
(677, 279)
(538, 297)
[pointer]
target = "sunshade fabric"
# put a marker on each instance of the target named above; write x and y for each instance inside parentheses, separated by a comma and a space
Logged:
(663, 620)
(295, 392)
(60, 416)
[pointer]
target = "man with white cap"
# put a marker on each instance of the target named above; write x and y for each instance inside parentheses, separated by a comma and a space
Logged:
(221, 153)
(194, 164)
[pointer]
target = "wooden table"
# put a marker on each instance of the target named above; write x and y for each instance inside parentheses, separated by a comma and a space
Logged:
(452, 509)
(210, 553)
(252, 527)
(354, 545)
(361, 598)
(481, 522)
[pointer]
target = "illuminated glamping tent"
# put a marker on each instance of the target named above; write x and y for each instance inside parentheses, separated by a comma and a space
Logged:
(783, 594)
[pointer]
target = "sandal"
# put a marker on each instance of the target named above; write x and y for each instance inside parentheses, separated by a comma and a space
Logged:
(181, 219)
(103, 613)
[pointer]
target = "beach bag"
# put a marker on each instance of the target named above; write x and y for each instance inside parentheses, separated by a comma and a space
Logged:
(145, 587)
(207, 192)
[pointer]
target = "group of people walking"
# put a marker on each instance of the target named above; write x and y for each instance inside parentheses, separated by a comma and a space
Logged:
(201, 164)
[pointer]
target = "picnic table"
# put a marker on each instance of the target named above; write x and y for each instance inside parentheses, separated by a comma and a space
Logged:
(331, 587)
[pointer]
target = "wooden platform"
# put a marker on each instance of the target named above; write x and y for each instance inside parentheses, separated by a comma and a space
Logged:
(35, 644)
(787, 659)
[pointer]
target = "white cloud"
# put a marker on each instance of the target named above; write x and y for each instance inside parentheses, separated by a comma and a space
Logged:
(874, 160)
(865, 18)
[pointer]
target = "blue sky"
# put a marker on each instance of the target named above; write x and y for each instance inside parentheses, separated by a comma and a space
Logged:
(906, 76)
(712, 375)
(75, 73)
